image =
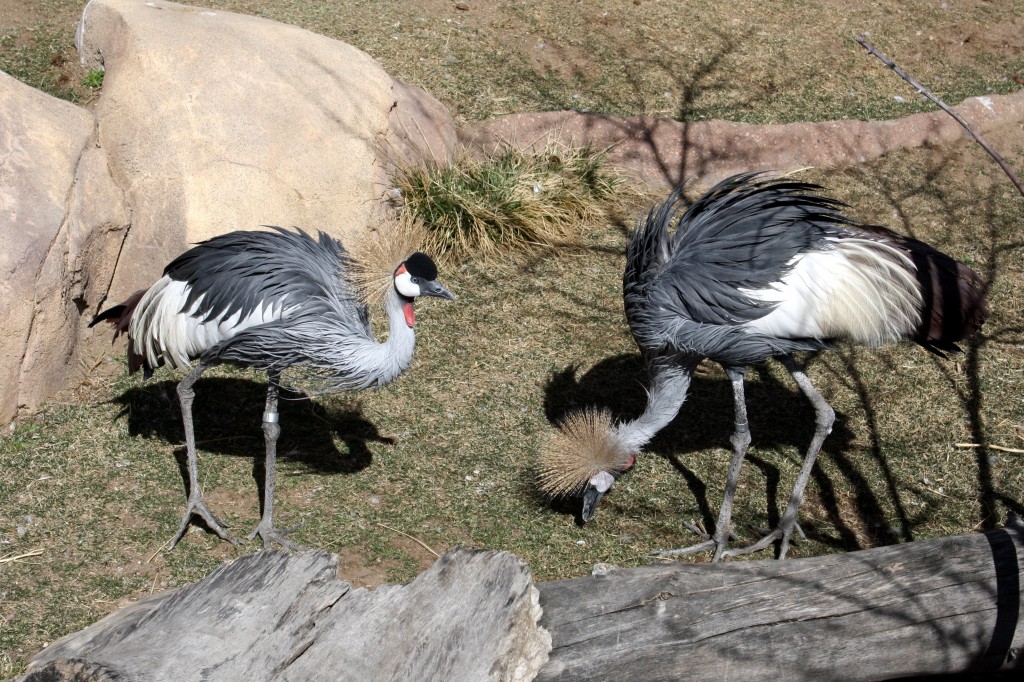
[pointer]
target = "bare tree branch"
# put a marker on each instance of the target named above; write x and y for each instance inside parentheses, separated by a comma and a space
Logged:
(945, 107)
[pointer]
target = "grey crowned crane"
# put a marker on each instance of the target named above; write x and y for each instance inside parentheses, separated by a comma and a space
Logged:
(270, 300)
(757, 268)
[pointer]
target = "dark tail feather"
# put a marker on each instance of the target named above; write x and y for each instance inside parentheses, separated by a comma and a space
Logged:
(954, 304)
(120, 316)
(954, 295)
(109, 314)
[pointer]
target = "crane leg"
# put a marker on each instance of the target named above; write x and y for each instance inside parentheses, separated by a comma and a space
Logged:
(824, 417)
(740, 442)
(271, 430)
(196, 504)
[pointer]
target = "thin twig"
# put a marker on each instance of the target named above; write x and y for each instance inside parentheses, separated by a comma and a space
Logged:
(158, 550)
(949, 110)
(17, 557)
(933, 490)
(416, 540)
(1001, 448)
(696, 530)
(156, 576)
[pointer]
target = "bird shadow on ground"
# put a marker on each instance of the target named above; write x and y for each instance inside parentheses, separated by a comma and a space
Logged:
(228, 417)
(780, 417)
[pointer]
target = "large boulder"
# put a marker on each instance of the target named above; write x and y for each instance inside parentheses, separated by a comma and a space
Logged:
(214, 121)
(208, 122)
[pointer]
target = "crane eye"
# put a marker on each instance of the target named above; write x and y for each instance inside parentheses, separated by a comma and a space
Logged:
(407, 285)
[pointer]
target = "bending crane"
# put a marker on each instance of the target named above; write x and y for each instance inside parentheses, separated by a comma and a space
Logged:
(756, 269)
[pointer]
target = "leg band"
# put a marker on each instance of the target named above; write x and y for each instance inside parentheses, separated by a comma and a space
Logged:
(270, 417)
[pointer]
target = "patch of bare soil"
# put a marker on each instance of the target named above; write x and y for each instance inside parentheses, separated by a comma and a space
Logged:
(661, 152)
(21, 12)
(33, 29)
(355, 568)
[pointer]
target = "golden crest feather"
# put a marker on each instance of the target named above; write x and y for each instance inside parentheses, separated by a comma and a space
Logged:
(392, 237)
(584, 445)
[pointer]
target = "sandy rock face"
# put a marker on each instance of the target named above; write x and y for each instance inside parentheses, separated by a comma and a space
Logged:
(42, 140)
(661, 152)
(208, 122)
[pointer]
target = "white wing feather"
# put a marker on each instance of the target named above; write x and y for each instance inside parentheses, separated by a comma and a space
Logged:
(160, 328)
(861, 289)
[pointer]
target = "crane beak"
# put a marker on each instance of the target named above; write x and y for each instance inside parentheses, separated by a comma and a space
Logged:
(598, 486)
(590, 500)
(432, 288)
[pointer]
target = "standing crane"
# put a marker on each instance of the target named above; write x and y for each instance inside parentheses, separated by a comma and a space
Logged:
(270, 300)
(757, 268)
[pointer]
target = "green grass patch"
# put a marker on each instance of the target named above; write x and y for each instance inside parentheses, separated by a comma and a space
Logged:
(94, 79)
(508, 200)
(38, 49)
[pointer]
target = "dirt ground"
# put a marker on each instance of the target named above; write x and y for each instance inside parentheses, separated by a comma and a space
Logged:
(746, 62)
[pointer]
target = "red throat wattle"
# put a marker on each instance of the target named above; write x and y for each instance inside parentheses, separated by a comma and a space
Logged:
(410, 314)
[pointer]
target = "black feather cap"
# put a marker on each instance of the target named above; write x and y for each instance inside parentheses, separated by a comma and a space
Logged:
(422, 266)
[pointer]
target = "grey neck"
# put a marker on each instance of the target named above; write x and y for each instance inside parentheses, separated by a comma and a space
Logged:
(394, 355)
(670, 380)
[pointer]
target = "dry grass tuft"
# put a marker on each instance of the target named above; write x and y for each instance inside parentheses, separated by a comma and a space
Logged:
(583, 446)
(509, 200)
(378, 251)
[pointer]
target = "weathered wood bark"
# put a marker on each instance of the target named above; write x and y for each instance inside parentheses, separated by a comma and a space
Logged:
(940, 606)
(471, 616)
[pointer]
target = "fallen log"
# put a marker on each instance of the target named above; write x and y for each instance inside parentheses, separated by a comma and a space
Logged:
(940, 606)
(950, 605)
(277, 616)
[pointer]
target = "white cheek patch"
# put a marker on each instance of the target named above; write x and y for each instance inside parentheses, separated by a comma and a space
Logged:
(405, 285)
(602, 482)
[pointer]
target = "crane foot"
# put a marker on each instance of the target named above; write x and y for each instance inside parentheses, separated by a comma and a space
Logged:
(197, 508)
(269, 534)
(783, 532)
(692, 549)
(707, 542)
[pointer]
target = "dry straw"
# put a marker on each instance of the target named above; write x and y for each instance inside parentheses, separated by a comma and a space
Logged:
(377, 252)
(509, 200)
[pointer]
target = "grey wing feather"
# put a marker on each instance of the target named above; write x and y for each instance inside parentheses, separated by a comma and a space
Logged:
(240, 271)
(687, 273)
